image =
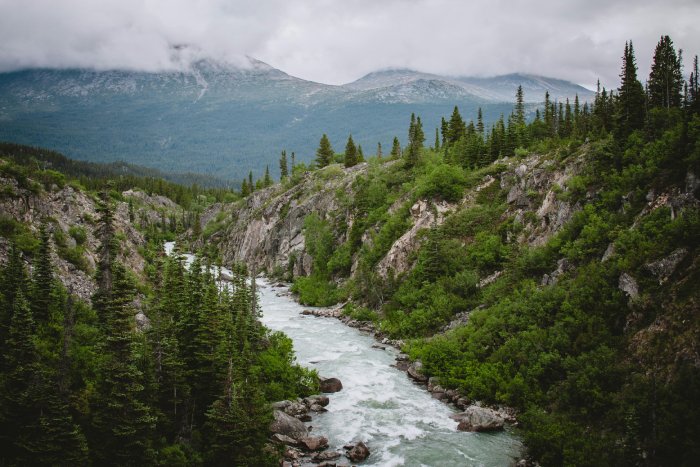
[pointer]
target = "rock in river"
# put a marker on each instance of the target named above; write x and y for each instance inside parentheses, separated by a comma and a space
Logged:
(359, 452)
(330, 385)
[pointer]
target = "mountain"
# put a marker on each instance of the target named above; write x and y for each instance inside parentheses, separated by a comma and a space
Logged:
(226, 120)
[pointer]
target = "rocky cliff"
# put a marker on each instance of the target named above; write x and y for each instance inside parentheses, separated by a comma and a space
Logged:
(70, 215)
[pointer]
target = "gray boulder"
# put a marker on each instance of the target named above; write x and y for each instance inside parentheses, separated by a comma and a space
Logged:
(476, 418)
(628, 285)
(287, 425)
(415, 371)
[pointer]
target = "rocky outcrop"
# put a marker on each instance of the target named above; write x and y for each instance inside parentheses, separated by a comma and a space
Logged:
(268, 228)
(628, 285)
(65, 210)
(476, 418)
(664, 267)
(423, 214)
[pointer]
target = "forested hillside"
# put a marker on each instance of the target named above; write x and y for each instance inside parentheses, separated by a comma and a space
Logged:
(550, 264)
(112, 353)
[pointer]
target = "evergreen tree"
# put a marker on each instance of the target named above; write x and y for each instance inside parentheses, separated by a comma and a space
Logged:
(122, 423)
(395, 148)
(629, 115)
(284, 172)
(444, 129)
(324, 153)
(360, 154)
(379, 150)
(666, 79)
(456, 128)
(13, 280)
(694, 89)
(293, 161)
(251, 186)
(245, 188)
(350, 156)
(416, 137)
(436, 144)
(480, 122)
(519, 106)
(267, 179)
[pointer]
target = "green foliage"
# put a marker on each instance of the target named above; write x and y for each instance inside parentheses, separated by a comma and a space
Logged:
(444, 182)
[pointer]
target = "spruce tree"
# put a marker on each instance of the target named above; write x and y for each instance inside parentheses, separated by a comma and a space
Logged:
(379, 150)
(360, 154)
(250, 181)
(519, 107)
(324, 153)
(284, 172)
(456, 128)
(122, 424)
(629, 115)
(350, 156)
(480, 122)
(666, 79)
(267, 179)
(436, 144)
(395, 148)
(416, 137)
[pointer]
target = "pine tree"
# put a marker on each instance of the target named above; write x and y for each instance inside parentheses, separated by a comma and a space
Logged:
(350, 156)
(395, 148)
(293, 161)
(436, 144)
(519, 107)
(324, 153)
(13, 280)
(245, 189)
(444, 129)
(122, 423)
(666, 79)
(284, 172)
(379, 151)
(694, 89)
(416, 137)
(105, 232)
(267, 179)
(629, 115)
(456, 127)
(250, 181)
(480, 122)
(360, 154)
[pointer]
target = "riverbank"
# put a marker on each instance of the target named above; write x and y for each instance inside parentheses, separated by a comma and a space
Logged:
(402, 424)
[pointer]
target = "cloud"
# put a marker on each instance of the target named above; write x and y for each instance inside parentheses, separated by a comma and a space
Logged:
(336, 41)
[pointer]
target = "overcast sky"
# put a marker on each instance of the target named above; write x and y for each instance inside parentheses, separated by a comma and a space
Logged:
(337, 41)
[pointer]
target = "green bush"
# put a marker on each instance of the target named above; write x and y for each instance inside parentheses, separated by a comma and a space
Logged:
(78, 233)
(445, 181)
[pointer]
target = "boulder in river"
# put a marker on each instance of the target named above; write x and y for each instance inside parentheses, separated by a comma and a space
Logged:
(359, 452)
(287, 425)
(284, 439)
(330, 385)
(476, 418)
(314, 443)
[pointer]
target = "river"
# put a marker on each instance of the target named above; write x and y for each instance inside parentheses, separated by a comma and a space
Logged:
(398, 420)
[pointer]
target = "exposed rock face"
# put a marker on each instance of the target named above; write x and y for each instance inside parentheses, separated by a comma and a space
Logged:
(424, 214)
(476, 418)
(268, 228)
(65, 208)
(664, 267)
(628, 285)
(287, 425)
